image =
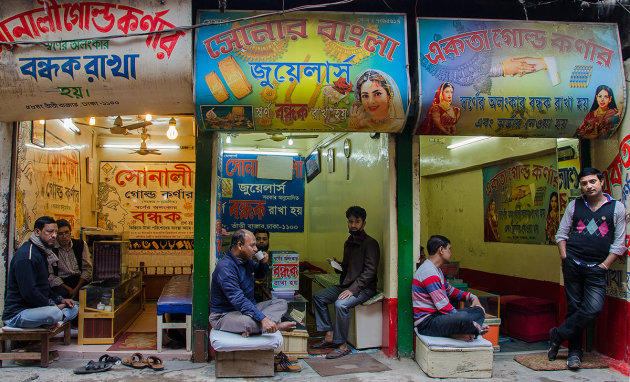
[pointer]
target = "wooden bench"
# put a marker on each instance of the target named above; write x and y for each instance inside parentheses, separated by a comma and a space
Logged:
(176, 297)
(35, 334)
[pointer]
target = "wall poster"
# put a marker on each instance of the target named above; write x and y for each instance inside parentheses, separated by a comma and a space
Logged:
(249, 202)
(152, 201)
(48, 182)
(520, 78)
(521, 201)
(301, 72)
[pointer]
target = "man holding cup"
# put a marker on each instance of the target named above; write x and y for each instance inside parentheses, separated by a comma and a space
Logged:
(232, 305)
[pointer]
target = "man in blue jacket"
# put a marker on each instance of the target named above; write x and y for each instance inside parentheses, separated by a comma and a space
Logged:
(232, 305)
(30, 302)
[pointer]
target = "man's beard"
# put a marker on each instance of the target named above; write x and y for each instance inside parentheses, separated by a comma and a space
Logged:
(261, 248)
(354, 232)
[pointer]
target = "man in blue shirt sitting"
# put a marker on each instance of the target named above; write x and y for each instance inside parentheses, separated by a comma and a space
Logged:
(232, 305)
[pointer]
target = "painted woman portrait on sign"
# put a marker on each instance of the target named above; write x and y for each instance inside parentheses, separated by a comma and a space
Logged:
(602, 117)
(553, 219)
(378, 104)
(491, 226)
(442, 116)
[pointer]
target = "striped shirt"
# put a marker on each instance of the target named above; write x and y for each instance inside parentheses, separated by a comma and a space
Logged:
(430, 293)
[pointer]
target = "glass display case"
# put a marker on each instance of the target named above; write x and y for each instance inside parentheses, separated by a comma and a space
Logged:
(107, 309)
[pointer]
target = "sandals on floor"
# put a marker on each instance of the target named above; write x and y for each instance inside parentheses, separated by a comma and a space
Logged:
(281, 357)
(105, 358)
(338, 353)
(136, 361)
(283, 363)
(93, 367)
(154, 363)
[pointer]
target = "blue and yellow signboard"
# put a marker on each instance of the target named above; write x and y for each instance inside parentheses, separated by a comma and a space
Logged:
(301, 72)
(519, 78)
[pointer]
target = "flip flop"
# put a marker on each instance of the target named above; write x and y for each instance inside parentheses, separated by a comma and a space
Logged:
(105, 358)
(286, 366)
(93, 367)
(338, 353)
(135, 360)
(154, 363)
(324, 345)
(281, 357)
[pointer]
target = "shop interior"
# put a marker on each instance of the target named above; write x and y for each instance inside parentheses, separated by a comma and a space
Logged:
(450, 199)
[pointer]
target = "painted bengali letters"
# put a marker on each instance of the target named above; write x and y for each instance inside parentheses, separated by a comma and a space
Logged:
(509, 78)
(89, 70)
(285, 272)
(152, 201)
(301, 72)
(248, 202)
(521, 201)
(48, 182)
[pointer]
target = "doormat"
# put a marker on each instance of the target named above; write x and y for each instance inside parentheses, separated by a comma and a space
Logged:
(135, 341)
(352, 363)
(539, 361)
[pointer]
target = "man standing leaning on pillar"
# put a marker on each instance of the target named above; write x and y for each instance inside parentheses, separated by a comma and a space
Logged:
(590, 237)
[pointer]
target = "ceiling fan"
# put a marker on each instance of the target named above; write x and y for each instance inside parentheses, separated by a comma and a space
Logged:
(143, 150)
(119, 128)
(279, 137)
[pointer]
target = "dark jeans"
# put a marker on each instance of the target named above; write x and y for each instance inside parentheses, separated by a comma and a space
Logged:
(70, 281)
(445, 325)
(585, 289)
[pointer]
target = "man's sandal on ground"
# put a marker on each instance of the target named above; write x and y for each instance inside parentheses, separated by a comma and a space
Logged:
(105, 358)
(136, 361)
(324, 345)
(94, 367)
(338, 353)
(282, 364)
(154, 363)
(281, 357)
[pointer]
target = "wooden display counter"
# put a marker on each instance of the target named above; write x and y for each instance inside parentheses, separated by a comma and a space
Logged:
(103, 323)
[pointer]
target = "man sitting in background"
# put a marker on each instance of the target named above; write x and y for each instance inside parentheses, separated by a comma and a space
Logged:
(232, 305)
(262, 285)
(433, 313)
(30, 302)
(74, 267)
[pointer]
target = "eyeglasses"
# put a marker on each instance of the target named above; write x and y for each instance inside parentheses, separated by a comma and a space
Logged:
(59, 233)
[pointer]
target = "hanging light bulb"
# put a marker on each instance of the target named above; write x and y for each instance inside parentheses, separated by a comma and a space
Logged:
(42, 121)
(228, 139)
(148, 117)
(92, 121)
(290, 141)
(172, 131)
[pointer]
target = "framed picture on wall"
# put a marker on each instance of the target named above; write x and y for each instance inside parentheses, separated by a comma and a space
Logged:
(313, 166)
(38, 133)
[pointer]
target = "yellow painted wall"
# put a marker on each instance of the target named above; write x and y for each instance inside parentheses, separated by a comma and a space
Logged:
(451, 204)
(330, 194)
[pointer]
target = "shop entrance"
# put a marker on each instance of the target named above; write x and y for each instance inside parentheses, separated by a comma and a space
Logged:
(305, 211)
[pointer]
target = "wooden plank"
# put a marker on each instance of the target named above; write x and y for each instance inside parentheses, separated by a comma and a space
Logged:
(250, 363)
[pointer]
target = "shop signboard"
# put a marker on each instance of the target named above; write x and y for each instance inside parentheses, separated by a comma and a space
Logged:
(285, 271)
(47, 183)
(301, 72)
(78, 68)
(249, 202)
(518, 201)
(152, 201)
(520, 78)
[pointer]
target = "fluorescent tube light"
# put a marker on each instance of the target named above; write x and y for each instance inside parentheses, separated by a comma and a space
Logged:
(136, 146)
(260, 152)
(466, 142)
(68, 124)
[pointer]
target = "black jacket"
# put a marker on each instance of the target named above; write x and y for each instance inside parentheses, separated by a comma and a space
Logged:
(28, 286)
(361, 255)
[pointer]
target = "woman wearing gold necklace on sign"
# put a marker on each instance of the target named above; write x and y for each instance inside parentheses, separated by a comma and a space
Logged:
(442, 116)
(603, 115)
(378, 105)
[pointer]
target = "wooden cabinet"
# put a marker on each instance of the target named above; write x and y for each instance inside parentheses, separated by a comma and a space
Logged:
(107, 310)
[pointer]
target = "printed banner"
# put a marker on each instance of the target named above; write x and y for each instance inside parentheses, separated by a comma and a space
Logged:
(97, 76)
(520, 78)
(153, 201)
(301, 72)
(521, 201)
(617, 185)
(48, 183)
(285, 271)
(248, 202)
